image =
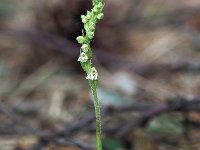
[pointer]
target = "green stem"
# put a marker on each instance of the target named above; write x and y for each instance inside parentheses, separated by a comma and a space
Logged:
(93, 85)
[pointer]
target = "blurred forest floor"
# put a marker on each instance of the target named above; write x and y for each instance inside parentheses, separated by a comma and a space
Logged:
(148, 57)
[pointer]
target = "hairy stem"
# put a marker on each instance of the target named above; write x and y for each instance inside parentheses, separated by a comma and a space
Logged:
(93, 85)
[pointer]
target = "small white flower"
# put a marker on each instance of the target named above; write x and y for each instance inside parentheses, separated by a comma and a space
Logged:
(83, 57)
(90, 34)
(80, 39)
(84, 19)
(93, 75)
(85, 47)
(100, 16)
(100, 5)
(95, 9)
(88, 15)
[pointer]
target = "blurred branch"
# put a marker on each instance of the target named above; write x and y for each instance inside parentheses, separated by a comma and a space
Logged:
(182, 104)
(16, 119)
(179, 104)
(62, 142)
(147, 112)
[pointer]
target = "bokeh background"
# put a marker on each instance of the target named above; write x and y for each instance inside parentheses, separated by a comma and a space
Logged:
(148, 56)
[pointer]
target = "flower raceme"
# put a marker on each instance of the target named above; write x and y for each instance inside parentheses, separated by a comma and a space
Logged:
(89, 20)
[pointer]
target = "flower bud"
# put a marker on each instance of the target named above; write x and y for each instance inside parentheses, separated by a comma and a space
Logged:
(95, 9)
(84, 19)
(85, 47)
(88, 15)
(91, 35)
(92, 27)
(80, 39)
(100, 16)
(100, 5)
